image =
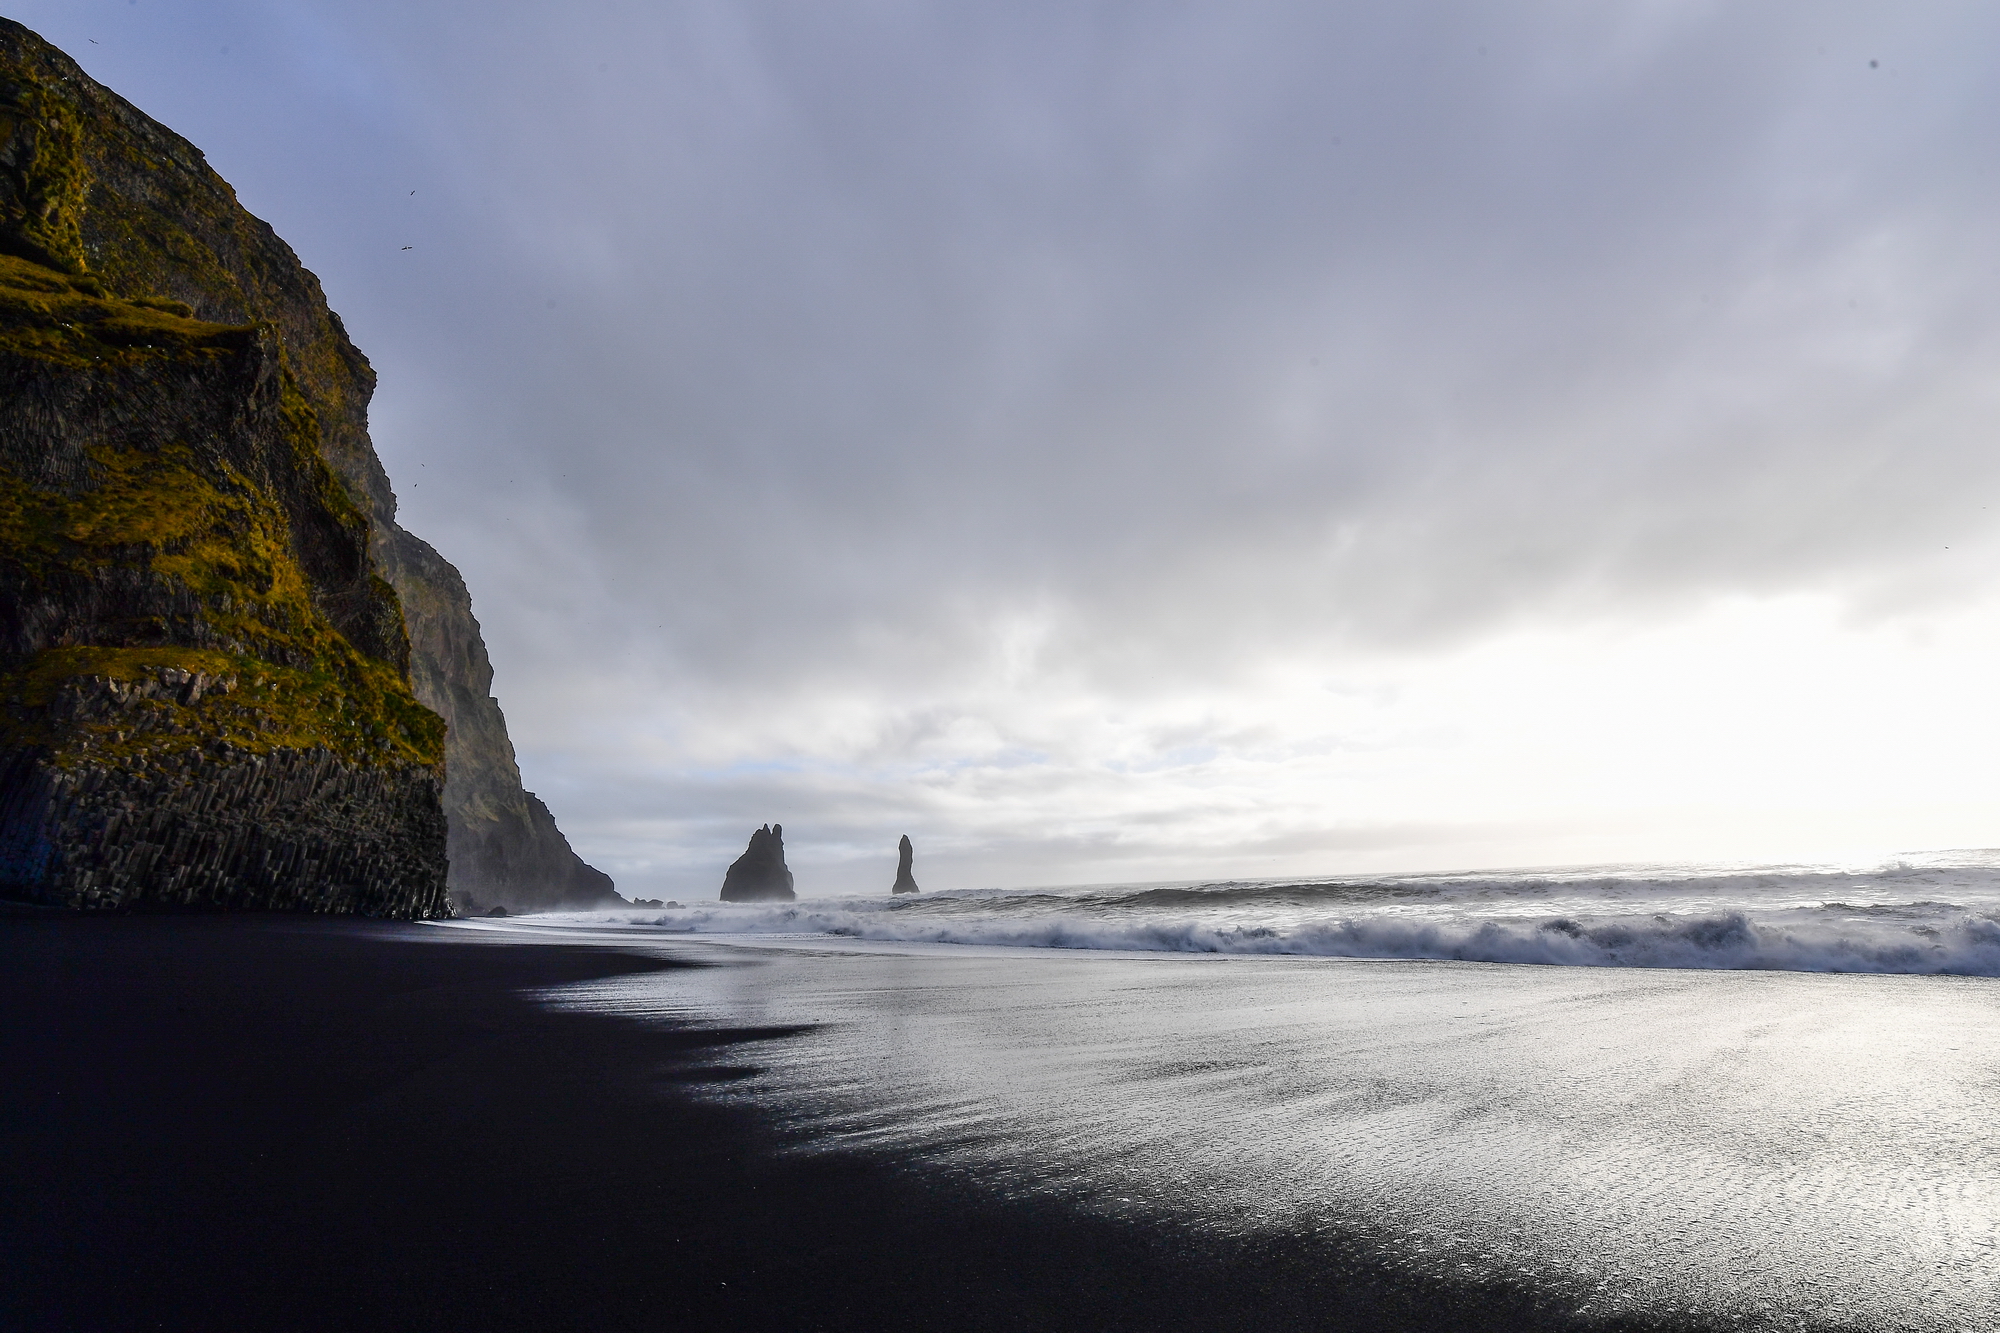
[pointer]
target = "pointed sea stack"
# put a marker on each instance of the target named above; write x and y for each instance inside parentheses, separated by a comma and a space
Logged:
(905, 881)
(759, 875)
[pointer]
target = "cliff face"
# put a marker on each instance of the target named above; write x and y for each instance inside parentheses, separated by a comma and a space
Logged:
(203, 687)
(505, 847)
(207, 672)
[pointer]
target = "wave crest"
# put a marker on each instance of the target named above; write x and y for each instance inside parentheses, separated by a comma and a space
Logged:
(1938, 939)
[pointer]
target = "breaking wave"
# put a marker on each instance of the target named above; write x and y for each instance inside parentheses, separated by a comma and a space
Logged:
(1938, 914)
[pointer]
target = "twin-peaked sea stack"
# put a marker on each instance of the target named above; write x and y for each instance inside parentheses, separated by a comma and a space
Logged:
(226, 673)
(760, 874)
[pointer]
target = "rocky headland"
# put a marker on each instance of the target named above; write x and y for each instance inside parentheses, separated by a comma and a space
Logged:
(760, 874)
(505, 847)
(227, 677)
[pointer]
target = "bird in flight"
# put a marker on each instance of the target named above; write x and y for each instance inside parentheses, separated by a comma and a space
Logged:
(409, 247)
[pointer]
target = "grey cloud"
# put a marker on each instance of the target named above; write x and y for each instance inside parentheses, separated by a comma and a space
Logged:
(753, 351)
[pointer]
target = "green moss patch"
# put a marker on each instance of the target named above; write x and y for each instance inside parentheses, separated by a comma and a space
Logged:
(70, 320)
(185, 521)
(132, 705)
(299, 682)
(43, 135)
(197, 614)
(163, 511)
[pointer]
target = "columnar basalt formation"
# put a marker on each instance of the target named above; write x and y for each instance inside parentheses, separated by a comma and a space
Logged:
(292, 829)
(760, 874)
(905, 854)
(207, 687)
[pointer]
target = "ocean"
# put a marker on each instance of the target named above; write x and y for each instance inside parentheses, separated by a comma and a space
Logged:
(1930, 913)
(1673, 1098)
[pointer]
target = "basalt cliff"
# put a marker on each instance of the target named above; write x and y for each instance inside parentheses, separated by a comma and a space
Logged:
(227, 677)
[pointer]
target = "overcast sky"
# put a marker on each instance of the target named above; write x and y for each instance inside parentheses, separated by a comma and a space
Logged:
(1146, 441)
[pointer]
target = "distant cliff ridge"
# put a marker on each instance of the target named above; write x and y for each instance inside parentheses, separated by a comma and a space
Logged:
(505, 847)
(209, 688)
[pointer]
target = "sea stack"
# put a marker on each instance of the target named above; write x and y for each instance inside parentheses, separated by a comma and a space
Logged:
(227, 675)
(905, 881)
(759, 875)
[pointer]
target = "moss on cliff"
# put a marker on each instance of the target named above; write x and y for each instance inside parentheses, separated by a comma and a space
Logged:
(178, 513)
(204, 680)
(92, 186)
(134, 706)
(130, 212)
(174, 537)
(43, 175)
(71, 320)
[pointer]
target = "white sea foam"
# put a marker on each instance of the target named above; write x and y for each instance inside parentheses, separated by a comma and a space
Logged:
(1933, 914)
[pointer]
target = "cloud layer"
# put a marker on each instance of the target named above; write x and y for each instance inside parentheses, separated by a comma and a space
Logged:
(1100, 439)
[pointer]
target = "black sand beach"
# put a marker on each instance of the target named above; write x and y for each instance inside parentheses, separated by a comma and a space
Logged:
(297, 1123)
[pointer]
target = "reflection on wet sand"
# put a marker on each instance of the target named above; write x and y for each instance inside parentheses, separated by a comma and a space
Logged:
(1763, 1149)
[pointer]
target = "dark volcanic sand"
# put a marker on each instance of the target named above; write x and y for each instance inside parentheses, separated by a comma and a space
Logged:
(291, 1123)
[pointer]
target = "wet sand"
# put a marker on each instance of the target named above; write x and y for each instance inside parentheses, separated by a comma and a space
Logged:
(289, 1123)
(1693, 1148)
